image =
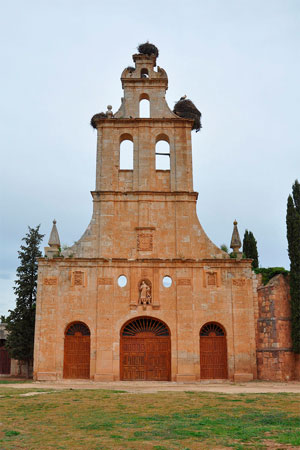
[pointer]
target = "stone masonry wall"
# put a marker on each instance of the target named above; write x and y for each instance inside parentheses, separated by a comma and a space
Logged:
(275, 359)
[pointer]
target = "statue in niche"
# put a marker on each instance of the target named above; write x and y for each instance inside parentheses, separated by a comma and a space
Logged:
(145, 296)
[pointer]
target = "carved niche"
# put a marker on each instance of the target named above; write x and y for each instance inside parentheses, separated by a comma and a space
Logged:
(145, 292)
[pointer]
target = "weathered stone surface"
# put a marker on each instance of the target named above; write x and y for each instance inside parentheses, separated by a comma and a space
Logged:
(145, 227)
(275, 359)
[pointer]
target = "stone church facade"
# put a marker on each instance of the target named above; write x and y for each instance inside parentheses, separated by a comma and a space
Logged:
(144, 294)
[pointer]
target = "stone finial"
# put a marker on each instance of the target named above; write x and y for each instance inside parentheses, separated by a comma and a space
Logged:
(235, 240)
(109, 112)
(54, 243)
(54, 237)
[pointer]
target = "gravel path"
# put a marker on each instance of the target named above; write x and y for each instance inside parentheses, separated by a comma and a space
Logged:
(254, 387)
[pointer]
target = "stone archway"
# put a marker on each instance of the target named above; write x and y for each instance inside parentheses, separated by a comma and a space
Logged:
(77, 351)
(213, 352)
(145, 350)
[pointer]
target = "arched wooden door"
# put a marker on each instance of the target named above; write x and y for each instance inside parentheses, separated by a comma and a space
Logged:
(77, 351)
(213, 352)
(145, 351)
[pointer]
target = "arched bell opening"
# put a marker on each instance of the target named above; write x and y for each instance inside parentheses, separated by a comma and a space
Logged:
(144, 73)
(126, 152)
(213, 352)
(77, 351)
(144, 106)
(145, 350)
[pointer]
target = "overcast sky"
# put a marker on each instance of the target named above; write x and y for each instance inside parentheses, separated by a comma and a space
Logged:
(61, 62)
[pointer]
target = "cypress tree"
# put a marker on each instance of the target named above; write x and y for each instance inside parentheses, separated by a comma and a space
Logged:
(253, 250)
(293, 237)
(250, 248)
(246, 243)
(20, 322)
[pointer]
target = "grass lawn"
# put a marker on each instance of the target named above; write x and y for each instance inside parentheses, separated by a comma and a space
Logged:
(15, 381)
(98, 419)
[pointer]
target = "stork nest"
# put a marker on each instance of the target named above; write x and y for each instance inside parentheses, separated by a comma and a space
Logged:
(94, 119)
(187, 110)
(130, 69)
(148, 49)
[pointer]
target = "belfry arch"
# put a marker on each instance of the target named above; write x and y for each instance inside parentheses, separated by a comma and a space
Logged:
(145, 350)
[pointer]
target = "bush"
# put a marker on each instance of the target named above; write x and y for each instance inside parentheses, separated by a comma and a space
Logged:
(269, 272)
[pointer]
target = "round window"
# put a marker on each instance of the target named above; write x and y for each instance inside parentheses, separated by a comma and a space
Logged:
(122, 281)
(167, 281)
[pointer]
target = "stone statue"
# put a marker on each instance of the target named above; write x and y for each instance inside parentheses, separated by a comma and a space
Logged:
(145, 293)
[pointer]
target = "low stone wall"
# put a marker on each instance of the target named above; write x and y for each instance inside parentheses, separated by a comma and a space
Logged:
(275, 359)
(20, 369)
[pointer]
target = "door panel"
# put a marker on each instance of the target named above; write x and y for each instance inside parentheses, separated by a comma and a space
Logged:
(213, 357)
(146, 358)
(77, 357)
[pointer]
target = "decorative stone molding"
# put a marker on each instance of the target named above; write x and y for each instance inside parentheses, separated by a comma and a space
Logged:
(78, 278)
(50, 281)
(241, 282)
(105, 281)
(184, 282)
(145, 239)
(145, 242)
(211, 278)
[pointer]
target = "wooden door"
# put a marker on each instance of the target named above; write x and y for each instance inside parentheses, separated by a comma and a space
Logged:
(158, 355)
(213, 352)
(133, 358)
(77, 352)
(4, 361)
(145, 352)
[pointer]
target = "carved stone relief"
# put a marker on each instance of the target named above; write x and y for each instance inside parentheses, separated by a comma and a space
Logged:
(184, 282)
(211, 278)
(78, 278)
(105, 281)
(145, 242)
(239, 282)
(50, 281)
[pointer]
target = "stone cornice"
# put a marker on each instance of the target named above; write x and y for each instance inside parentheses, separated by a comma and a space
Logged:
(206, 264)
(154, 195)
(137, 121)
(145, 82)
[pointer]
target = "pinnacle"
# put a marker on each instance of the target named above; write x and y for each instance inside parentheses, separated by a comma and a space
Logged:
(54, 237)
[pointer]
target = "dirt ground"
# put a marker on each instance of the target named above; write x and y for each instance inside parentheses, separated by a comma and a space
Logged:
(253, 387)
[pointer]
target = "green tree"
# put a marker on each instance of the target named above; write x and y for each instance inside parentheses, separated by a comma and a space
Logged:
(250, 248)
(224, 248)
(20, 322)
(246, 243)
(293, 237)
